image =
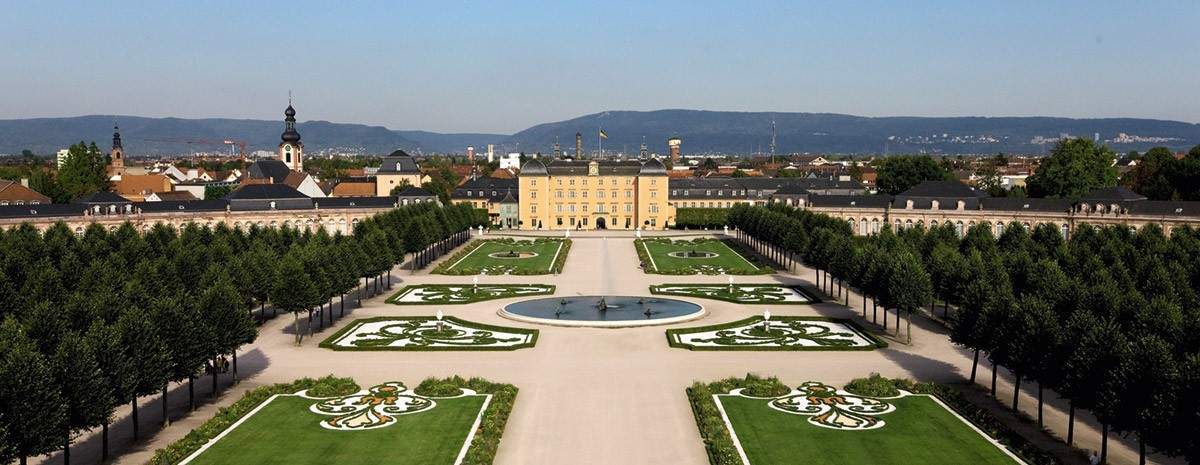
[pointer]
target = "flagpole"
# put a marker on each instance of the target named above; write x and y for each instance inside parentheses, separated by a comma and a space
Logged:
(600, 138)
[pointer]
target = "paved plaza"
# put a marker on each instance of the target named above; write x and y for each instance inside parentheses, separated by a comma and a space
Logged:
(587, 395)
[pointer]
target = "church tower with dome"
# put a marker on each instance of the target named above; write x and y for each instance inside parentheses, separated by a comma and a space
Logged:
(291, 150)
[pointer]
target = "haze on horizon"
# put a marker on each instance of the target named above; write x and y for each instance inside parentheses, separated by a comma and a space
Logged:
(485, 67)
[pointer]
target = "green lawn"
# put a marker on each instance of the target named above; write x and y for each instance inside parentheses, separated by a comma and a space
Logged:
(542, 256)
(286, 432)
(918, 431)
(662, 256)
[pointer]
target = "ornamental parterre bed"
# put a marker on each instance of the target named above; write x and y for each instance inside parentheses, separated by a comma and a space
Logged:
(826, 425)
(700, 256)
(451, 421)
(508, 257)
(429, 334)
(740, 293)
(779, 333)
(430, 294)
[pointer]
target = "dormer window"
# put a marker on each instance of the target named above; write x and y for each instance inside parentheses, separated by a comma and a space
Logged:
(397, 166)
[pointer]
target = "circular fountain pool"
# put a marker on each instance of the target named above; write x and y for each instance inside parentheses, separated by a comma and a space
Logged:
(602, 311)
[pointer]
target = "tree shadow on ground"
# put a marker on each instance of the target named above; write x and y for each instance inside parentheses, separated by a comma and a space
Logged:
(86, 450)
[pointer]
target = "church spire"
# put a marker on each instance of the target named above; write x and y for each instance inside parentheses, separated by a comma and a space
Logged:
(289, 124)
(116, 137)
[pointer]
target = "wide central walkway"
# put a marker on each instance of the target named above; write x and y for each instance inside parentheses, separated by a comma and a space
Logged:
(593, 396)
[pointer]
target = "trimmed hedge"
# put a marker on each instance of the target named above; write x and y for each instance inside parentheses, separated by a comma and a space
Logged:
(724, 296)
(561, 260)
(717, 442)
(475, 297)
(487, 438)
(328, 343)
(328, 386)
(984, 420)
(441, 268)
(698, 218)
(876, 342)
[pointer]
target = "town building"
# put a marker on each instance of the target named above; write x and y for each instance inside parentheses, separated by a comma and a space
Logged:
(499, 196)
(397, 169)
(19, 193)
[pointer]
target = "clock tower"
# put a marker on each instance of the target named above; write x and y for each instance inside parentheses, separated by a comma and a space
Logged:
(291, 150)
(116, 165)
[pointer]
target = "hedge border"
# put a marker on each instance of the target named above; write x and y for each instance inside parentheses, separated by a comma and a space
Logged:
(644, 257)
(491, 427)
(555, 267)
(328, 343)
(812, 299)
(392, 300)
(227, 416)
(876, 343)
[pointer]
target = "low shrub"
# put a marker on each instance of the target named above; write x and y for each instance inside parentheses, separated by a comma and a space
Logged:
(873, 386)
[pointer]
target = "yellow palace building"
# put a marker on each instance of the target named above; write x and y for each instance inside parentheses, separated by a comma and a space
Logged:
(594, 194)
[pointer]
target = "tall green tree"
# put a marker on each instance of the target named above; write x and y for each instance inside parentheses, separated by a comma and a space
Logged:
(84, 172)
(1074, 167)
(897, 174)
(85, 392)
(31, 406)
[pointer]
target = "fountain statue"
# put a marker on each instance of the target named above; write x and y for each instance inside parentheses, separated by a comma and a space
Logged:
(648, 312)
(602, 305)
(766, 321)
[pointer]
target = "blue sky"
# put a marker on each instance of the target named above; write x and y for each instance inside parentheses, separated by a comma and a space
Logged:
(487, 67)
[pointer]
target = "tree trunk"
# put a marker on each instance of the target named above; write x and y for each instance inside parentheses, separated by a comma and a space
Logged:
(885, 319)
(1070, 423)
(874, 311)
(908, 322)
(1141, 450)
(1104, 443)
(993, 379)
(945, 310)
(310, 331)
(262, 312)
(864, 296)
(235, 378)
(974, 365)
(104, 441)
(165, 419)
(67, 447)
(1016, 391)
(361, 291)
(342, 303)
(191, 392)
(135, 418)
(213, 394)
(1040, 403)
(296, 326)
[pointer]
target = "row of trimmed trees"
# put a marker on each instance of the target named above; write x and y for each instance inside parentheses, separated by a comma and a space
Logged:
(1109, 320)
(881, 267)
(91, 322)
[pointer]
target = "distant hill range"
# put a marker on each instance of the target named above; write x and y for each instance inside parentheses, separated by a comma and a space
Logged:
(701, 131)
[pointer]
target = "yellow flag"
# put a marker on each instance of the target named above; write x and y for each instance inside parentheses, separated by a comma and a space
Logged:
(603, 135)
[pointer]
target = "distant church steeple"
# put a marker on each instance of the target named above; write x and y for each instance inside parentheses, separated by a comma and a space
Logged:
(291, 150)
(116, 163)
